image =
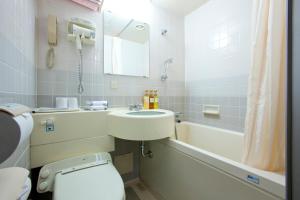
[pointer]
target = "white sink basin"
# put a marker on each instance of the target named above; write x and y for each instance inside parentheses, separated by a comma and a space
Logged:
(141, 125)
(146, 113)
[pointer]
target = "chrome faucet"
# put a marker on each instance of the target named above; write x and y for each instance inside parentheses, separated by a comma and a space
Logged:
(177, 120)
(136, 107)
(178, 116)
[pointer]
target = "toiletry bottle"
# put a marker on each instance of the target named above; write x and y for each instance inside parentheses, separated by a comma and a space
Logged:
(156, 99)
(146, 99)
(151, 100)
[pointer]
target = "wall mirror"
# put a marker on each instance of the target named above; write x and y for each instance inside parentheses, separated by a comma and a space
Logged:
(126, 46)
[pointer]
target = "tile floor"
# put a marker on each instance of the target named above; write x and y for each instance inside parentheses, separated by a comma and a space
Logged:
(136, 190)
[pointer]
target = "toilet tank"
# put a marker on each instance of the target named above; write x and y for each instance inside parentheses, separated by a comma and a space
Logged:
(61, 135)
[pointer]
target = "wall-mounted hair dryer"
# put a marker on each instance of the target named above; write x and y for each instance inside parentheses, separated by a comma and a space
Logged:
(81, 32)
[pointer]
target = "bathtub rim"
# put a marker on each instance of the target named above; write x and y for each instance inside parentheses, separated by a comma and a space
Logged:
(212, 127)
(271, 182)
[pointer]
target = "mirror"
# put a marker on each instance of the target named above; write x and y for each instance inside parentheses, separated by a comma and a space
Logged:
(126, 46)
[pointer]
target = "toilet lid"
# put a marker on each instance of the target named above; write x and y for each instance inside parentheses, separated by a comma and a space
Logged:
(96, 183)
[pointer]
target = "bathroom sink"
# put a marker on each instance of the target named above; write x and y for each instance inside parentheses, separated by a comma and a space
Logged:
(146, 113)
(141, 125)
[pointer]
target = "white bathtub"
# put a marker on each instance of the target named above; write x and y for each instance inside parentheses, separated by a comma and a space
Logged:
(204, 163)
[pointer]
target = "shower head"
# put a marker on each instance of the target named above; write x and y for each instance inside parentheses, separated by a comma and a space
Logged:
(169, 61)
(164, 75)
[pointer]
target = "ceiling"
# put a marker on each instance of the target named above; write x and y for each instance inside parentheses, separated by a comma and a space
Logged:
(179, 7)
(125, 28)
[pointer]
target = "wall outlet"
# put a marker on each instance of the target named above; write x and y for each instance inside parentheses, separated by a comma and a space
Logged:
(49, 126)
(114, 84)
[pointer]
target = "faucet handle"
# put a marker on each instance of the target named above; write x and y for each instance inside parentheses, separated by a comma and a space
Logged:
(139, 106)
(177, 114)
(131, 106)
(135, 106)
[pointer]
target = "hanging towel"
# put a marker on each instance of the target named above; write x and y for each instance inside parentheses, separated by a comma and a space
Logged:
(12, 182)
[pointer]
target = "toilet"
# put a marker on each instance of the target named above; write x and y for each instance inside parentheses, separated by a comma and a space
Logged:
(82, 178)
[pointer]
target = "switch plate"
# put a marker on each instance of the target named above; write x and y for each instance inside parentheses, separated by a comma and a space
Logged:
(49, 126)
(114, 84)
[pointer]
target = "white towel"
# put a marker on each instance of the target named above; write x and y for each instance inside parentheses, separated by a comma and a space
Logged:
(12, 181)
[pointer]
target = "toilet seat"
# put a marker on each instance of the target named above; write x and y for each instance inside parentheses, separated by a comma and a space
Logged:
(101, 182)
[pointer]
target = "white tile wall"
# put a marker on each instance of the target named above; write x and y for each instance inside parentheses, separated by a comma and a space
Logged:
(210, 47)
(17, 52)
(62, 80)
(217, 40)
(216, 56)
(17, 64)
(217, 60)
(213, 65)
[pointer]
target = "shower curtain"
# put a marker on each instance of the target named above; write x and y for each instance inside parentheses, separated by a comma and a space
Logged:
(264, 145)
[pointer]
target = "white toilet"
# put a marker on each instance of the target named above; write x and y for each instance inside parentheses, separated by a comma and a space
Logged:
(82, 178)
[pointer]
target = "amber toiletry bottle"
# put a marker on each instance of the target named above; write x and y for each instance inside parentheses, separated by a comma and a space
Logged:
(146, 99)
(151, 100)
(156, 99)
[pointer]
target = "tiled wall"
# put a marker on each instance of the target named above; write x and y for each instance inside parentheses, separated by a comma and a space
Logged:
(217, 59)
(17, 52)
(55, 83)
(62, 80)
(229, 93)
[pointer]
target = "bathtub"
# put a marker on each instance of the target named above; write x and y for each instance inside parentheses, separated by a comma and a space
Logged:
(204, 163)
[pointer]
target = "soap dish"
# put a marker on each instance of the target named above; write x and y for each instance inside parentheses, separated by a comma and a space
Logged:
(211, 110)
